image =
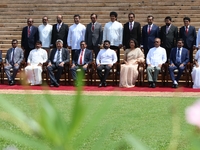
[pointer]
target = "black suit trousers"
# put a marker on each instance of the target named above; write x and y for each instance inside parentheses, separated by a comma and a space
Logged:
(103, 76)
(55, 78)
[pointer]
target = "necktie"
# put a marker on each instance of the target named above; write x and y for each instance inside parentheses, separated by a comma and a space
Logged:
(58, 57)
(186, 30)
(29, 31)
(81, 57)
(178, 56)
(130, 26)
(149, 29)
(58, 27)
(92, 27)
(167, 29)
(13, 52)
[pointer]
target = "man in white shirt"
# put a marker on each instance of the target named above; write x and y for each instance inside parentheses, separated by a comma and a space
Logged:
(76, 35)
(113, 31)
(105, 60)
(155, 58)
(45, 31)
(35, 61)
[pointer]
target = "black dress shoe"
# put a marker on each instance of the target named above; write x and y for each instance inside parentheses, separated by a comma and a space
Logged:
(175, 86)
(100, 85)
(11, 82)
(105, 84)
(56, 85)
(153, 85)
(150, 85)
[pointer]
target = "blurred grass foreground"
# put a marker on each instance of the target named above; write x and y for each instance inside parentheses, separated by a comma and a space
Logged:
(80, 122)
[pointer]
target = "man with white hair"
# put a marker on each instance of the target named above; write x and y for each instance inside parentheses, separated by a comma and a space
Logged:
(58, 57)
(35, 61)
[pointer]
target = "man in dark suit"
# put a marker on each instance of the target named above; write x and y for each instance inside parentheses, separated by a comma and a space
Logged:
(58, 57)
(81, 60)
(29, 37)
(132, 29)
(178, 60)
(188, 34)
(14, 57)
(59, 31)
(168, 35)
(94, 35)
(149, 33)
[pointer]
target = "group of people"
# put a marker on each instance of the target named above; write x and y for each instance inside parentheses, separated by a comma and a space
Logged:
(149, 43)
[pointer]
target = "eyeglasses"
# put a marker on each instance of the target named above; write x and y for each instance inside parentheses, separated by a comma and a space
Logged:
(29, 21)
(156, 41)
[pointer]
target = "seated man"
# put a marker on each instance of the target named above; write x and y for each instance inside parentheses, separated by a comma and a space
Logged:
(81, 60)
(105, 60)
(58, 57)
(155, 58)
(179, 58)
(14, 57)
(36, 58)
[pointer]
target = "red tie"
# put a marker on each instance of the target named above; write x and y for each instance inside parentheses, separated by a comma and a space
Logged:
(81, 56)
(92, 27)
(186, 30)
(29, 31)
(149, 29)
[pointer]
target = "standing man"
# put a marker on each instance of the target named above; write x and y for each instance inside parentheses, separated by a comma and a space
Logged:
(14, 57)
(29, 37)
(94, 35)
(45, 32)
(178, 60)
(188, 34)
(131, 30)
(81, 60)
(155, 58)
(105, 60)
(60, 31)
(76, 35)
(113, 32)
(168, 35)
(36, 58)
(58, 57)
(149, 33)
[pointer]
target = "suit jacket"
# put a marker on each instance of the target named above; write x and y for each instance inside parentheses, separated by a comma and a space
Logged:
(61, 34)
(148, 39)
(87, 57)
(134, 33)
(93, 38)
(189, 38)
(18, 55)
(65, 55)
(184, 56)
(29, 42)
(168, 40)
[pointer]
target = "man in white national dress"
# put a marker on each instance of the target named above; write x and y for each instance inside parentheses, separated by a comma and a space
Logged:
(35, 61)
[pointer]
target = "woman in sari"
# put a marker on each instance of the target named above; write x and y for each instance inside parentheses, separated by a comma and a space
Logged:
(129, 72)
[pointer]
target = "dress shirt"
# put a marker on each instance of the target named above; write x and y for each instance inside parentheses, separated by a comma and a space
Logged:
(45, 32)
(178, 55)
(55, 56)
(12, 55)
(76, 35)
(59, 26)
(149, 26)
(82, 57)
(132, 25)
(156, 56)
(37, 56)
(106, 57)
(113, 31)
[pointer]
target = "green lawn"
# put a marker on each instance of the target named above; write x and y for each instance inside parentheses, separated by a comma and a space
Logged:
(156, 121)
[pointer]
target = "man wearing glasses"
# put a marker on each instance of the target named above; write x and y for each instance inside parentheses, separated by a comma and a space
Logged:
(14, 57)
(29, 37)
(155, 58)
(132, 29)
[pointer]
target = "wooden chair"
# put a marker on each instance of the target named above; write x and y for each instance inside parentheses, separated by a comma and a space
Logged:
(1, 68)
